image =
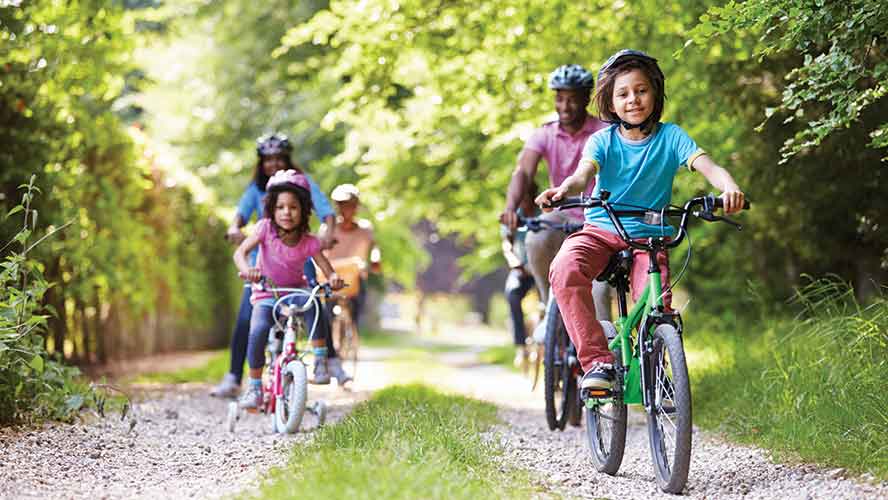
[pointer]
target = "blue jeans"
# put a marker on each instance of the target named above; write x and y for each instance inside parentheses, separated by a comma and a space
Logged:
(241, 334)
(518, 283)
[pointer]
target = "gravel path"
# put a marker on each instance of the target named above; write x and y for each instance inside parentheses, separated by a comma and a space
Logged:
(179, 447)
(561, 463)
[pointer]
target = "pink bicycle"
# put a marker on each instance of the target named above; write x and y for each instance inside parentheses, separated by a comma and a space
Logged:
(285, 378)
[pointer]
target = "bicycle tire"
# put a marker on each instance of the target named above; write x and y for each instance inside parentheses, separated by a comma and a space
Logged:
(290, 405)
(669, 377)
(554, 366)
(606, 424)
(350, 343)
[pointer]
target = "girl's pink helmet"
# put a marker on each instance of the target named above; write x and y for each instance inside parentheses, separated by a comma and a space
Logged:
(284, 177)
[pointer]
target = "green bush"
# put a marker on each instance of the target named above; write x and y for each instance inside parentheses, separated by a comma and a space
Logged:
(32, 386)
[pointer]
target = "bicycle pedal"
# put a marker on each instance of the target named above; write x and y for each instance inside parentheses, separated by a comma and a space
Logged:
(596, 393)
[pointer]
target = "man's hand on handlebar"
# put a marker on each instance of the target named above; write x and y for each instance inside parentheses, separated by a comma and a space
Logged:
(733, 200)
(545, 199)
(253, 274)
(509, 218)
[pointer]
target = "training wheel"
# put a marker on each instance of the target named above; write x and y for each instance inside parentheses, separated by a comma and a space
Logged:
(319, 410)
(233, 415)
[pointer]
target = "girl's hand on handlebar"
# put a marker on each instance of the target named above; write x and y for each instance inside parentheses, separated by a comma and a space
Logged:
(252, 274)
(545, 199)
(733, 199)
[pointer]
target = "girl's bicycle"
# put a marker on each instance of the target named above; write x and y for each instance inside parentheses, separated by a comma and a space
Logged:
(285, 379)
(649, 359)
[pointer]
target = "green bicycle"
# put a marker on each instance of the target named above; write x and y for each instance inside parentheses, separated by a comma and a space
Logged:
(649, 358)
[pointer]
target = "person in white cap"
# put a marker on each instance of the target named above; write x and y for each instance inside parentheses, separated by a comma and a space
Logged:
(354, 239)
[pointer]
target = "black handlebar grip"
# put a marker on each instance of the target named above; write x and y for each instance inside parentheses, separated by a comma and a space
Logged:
(717, 202)
(570, 200)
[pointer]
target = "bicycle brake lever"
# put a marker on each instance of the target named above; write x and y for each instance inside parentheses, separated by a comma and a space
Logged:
(710, 217)
(732, 223)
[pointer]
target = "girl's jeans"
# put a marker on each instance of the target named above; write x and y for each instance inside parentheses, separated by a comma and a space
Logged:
(261, 322)
(582, 257)
(518, 283)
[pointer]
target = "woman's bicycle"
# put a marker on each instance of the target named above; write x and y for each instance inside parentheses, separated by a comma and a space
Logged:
(649, 358)
(285, 378)
(560, 366)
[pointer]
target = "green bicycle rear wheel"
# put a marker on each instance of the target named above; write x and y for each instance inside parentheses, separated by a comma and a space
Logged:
(606, 422)
(669, 421)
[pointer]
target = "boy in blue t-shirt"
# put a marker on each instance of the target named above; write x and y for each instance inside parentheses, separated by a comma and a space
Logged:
(636, 159)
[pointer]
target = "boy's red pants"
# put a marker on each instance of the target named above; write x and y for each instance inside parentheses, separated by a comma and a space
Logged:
(582, 257)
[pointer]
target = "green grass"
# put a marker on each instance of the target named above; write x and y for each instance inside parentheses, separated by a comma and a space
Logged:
(501, 355)
(810, 388)
(405, 442)
(211, 371)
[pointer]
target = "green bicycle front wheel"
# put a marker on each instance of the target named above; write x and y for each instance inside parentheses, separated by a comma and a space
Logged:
(669, 419)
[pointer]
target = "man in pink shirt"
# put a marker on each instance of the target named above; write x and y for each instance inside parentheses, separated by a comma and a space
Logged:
(561, 144)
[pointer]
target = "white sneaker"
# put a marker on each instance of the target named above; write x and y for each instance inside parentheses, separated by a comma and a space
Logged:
(251, 399)
(334, 366)
(227, 388)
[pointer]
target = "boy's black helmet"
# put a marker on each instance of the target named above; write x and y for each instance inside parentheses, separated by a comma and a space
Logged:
(626, 55)
(273, 144)
(606, 75)
(571, 76)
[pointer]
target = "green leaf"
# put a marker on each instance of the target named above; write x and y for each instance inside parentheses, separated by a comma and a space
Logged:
(37, 364)
(16, 209)
(74, 403)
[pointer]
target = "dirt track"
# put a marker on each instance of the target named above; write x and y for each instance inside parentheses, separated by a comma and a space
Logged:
(180, 447)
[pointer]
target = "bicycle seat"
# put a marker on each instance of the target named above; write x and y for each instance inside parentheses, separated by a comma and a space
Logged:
(619, 263)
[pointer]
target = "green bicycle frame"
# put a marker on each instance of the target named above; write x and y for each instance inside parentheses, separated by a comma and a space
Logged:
(651, 298)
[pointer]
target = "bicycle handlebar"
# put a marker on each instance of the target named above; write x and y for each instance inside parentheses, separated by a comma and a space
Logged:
(314, 286)
(708, 204)
(536, 224)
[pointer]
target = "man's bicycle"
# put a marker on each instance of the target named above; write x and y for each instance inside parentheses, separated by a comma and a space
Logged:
(560, 365)
(649, 358)
(285, 379)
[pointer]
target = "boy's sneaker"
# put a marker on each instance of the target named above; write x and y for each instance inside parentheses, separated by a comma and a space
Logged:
(251, 399)
(321, 375)
(600, 376)
(227, 388)
(334, 366)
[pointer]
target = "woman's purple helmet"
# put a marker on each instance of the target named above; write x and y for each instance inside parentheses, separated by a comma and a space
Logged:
(273, 144)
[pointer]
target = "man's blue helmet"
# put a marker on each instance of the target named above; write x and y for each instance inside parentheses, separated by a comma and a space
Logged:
(571, 76)
(273, 144)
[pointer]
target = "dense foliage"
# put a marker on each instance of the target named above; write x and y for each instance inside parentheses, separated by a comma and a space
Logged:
(436, 98)
(842, 65)
(134, 270)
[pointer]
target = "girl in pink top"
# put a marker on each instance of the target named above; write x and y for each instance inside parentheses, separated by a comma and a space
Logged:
(284, 246)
